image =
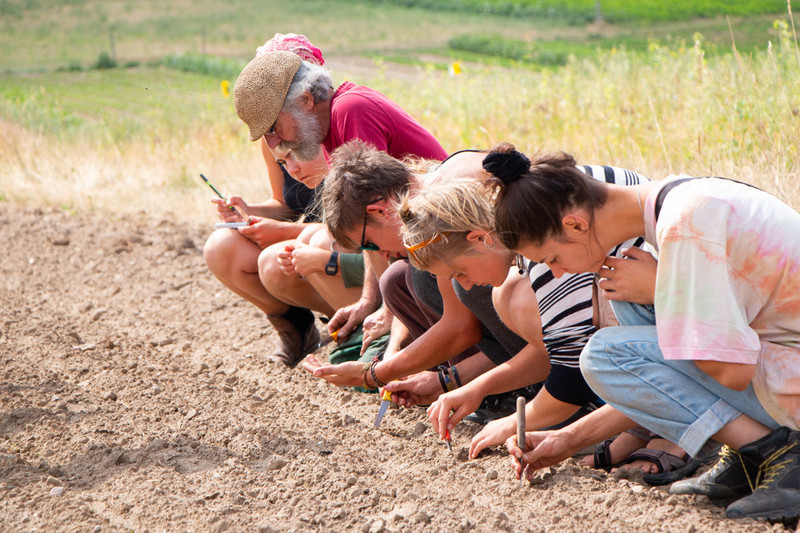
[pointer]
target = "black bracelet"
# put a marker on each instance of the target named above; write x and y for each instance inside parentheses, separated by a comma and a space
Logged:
(441, 379)
(378, 382)
(444, 379)
(454, 373)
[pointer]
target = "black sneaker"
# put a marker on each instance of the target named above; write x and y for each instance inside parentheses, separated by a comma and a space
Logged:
(728, 480)
(777, 495)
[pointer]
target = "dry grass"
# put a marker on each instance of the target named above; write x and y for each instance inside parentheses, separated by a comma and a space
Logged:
(669, 111)
(136, 176)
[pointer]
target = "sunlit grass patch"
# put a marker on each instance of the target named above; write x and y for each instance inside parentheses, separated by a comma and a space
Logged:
(123, 139)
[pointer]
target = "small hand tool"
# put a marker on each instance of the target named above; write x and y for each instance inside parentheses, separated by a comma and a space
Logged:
(386, 399)
(324, 341)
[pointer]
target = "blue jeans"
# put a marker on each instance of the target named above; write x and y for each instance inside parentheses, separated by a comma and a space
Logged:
(674, 399)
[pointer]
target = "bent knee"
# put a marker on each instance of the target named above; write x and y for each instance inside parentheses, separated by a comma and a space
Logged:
(268, 261)
(595, 358)
(220, 248)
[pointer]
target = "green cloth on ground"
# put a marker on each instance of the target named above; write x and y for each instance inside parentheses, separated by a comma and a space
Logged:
(350, 350)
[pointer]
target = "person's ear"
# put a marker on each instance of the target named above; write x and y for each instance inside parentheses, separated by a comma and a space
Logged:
(574, 225)
(306, 101)
(379, 207)
(477, 236)
(481, 236)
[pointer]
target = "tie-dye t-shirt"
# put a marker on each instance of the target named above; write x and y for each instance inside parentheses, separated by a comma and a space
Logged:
(728, 284)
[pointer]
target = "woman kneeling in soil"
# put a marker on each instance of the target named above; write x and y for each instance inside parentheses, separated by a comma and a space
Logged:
(716, 359)
(448, 230)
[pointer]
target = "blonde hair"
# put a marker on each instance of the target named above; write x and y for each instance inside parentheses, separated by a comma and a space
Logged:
(442, 214)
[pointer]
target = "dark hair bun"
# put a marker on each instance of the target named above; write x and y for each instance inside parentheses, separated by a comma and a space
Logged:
(508, 166)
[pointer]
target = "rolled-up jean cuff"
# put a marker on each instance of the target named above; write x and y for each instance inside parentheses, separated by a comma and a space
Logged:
(352, 267)
(700, 431)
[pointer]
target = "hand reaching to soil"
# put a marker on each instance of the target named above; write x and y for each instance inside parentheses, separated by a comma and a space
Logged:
(419, 389)
(451, 408)
(375, 326)
(350, 374)
(545, 448)
(494, 433)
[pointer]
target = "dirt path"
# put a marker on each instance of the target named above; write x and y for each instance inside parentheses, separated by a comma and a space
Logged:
(134, 396)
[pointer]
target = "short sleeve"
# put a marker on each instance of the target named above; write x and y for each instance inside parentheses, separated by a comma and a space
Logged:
(701, 302)
(356, 117)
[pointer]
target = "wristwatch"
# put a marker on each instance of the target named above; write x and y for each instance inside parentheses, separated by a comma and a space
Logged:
(332, 266)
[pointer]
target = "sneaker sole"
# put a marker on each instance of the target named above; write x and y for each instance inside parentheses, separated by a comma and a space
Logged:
(772, 516)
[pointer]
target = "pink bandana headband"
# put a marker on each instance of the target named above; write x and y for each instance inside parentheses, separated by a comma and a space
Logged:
(292, 42)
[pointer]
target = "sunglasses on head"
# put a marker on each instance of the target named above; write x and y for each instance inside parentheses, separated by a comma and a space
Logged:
(412, 250)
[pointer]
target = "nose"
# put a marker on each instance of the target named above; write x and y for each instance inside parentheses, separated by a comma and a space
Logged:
(292, 167)
(272, 140)
(465, 283)
(557, 271)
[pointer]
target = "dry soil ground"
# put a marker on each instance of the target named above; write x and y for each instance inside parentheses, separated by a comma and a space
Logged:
(135, 396)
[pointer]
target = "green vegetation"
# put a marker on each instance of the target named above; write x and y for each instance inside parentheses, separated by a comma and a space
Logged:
(76, 34)
(128, 99)
(614, 11)
(104, 61)
(114, 106)
(550, 53)
(218, 67)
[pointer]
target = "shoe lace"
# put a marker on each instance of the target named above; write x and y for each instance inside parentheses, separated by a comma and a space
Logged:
(727, 457)
(771, 467)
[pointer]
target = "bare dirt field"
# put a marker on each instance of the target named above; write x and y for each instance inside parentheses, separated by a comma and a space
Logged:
(135, 396)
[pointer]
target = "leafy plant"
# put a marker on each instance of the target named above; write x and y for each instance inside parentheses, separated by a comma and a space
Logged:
(104, 61)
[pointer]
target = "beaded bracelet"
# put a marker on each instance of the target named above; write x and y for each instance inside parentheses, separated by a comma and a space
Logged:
(372, 366)
(364, 370)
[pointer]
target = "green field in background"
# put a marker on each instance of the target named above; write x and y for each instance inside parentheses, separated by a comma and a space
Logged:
(74, 34)
(615, 11)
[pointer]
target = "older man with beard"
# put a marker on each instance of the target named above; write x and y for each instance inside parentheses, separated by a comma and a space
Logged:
(293, 106)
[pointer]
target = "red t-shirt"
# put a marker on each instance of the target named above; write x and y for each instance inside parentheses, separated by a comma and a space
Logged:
(362, 113)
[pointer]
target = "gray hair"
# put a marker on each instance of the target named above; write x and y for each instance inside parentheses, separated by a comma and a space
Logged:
(315, 79)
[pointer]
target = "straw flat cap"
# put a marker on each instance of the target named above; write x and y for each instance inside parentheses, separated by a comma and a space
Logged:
(261, 89)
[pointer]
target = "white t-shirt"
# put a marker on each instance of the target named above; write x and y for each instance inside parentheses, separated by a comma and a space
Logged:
(728, 283)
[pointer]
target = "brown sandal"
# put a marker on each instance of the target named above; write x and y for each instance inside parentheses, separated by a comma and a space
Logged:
(671, 468)
(602, 456)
